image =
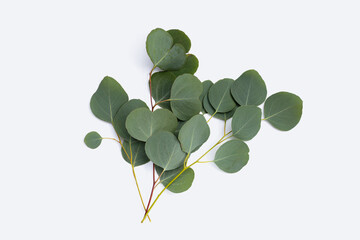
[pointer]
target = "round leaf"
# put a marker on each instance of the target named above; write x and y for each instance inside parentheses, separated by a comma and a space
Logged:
(163, 149)
(163, 52)
(249, 89)
(232, 156)
(137, 152)
(181, 184)
(283, 110)
(180, 37)
(210, 110)
(93, 140)
(142, 123)
(191, 65)
(107, 99)
(220, 96)
(194, 133)
(185, 93)
(124, 111)
(246, 122)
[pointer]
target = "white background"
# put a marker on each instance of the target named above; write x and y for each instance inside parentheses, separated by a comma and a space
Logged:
(301, 184)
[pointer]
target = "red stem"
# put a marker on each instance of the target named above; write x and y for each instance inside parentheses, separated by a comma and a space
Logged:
(152, 190)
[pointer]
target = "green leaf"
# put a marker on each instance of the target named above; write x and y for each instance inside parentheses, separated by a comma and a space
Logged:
(161, 82)
(163, 149)
(107, 99)
(163, 52)
(180, 37)
(232, 156)
(185, 93)
(124, 111)
(210, 110)
(142, 123)
(220, 97)
(179, 126)
(249, 89)
(92, 140)
(283, 110)
(181, 184)
(206, 86)
(246, 122)
(194, 133)
(137, 152)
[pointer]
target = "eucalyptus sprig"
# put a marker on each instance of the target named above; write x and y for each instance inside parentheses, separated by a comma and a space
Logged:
(174, 126)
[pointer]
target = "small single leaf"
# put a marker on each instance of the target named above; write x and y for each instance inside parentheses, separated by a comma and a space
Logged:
(107, 99)
(163, 149)
(220, 97)
(142, 123)
(92, 140)
(185, 93)
(163, 52)
(211, 111)
(180, 184)
(180, 37)
(283, 110)
(249, 89)
(232, 156)
(194, 133)
(246, 122)
(206, 86)
(124, 111)
(137, 154)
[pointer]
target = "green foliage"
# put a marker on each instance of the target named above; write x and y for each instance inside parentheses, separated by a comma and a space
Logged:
(142, 123)
(92, 140)
(232, 156)
(167, 133)
(107, 99)
(163, 149)
(283, 110)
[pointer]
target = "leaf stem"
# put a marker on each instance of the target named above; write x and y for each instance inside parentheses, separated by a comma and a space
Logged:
(166, 100)
(185, 168)
(211, 117)
(111, 139)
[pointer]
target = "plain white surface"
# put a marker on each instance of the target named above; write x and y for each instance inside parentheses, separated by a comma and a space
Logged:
(302, 184)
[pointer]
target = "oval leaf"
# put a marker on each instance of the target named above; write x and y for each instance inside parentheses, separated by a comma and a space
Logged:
(249, 89)
(246, 122)
(180, 37)
(161, 83)
(142, 123)
(283, 110)
(185, 94)
(232, 156)
(181, 184)
(206, 86)
(163, 52)
(163, 149)
(194, 133)
(124, 111)
(191, 65)
(137, 155)
(220, 97)
(92, 140)
(107, 99)
(210, 110)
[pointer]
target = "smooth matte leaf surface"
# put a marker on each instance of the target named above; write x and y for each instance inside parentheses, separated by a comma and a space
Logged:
(206, 86)
(137, 154)
(232, 156)
(122, 114)
(246, 122)
(181, 184)
(191, 65)
(180, 37)
(185, 93)
(163, 52)
(163, 149)
(210, 110)
(220, 97)
(161, 83)
(107, 99)
(92, 140)
(142, 123)
(249, 89)
(194, 133)
(283, 110)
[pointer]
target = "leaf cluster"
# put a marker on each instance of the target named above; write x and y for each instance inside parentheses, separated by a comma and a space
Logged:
(167, 136)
